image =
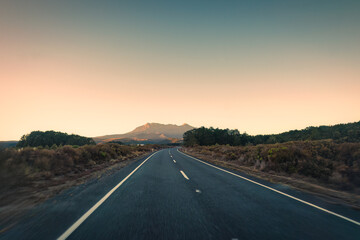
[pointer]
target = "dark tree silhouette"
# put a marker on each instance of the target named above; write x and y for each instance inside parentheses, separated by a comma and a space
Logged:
(52, 138)
(210, 136)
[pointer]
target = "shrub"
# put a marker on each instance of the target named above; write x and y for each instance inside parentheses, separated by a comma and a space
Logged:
(326, 161)
(18, 167)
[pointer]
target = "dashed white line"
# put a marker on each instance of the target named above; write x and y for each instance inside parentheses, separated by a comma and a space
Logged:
(174, 161)
(277, 191)
(91, 210)
(186, 177)
(198, 191)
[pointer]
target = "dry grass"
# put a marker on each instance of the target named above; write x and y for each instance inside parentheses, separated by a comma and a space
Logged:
(29, 176)
(322, 167)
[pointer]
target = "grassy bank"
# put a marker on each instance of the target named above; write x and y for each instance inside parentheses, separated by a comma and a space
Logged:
(323, 167)
(31, 175)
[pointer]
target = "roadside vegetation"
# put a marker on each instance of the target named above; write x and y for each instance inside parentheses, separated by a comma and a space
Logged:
(20, 167)
(30, 175)
(326, 162)
(322, 167)
(210, 136)
(317, 159)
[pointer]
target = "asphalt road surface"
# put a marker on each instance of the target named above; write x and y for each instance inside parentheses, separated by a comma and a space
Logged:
(168, 195)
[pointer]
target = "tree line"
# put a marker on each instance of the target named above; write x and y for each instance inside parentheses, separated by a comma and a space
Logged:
(210, 136)
(52, 138)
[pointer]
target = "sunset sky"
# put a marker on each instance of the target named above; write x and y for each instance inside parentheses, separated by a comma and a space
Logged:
(105, 67)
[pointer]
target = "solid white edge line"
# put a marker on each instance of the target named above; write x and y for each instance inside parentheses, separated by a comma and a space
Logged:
(91, 210)
(277, 191)
(184, 175)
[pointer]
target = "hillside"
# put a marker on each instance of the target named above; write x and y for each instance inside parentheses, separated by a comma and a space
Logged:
(149, 133)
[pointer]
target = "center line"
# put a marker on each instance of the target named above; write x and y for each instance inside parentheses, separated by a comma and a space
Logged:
(186, 177)
(273, 189)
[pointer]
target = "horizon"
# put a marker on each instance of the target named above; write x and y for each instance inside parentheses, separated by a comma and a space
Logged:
(105, 68)
(178, 125)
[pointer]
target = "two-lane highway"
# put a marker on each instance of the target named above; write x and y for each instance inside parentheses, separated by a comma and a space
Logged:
(169, 195)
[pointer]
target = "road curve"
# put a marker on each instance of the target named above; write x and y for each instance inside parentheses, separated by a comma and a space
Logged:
(169, 195)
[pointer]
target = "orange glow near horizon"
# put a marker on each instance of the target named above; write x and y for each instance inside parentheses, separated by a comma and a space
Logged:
(89, 84)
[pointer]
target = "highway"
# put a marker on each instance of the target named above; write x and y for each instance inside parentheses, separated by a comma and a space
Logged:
(169, 195)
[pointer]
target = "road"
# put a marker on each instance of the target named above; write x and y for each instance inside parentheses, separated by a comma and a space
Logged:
(169, 195)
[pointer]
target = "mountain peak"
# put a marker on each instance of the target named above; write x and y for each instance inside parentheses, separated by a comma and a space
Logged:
(153, 131)
(162, 128)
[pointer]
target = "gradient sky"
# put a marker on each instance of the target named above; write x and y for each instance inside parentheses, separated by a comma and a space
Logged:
(104, 67)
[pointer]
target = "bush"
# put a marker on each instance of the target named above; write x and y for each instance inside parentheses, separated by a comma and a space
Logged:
(18, 167)
(326, 161)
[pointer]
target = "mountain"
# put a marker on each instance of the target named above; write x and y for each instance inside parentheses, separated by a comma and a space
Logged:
(149, 133)
(6, 144)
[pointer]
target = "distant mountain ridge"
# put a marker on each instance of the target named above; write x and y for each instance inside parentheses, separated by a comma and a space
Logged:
(149, 133)
(6, 144)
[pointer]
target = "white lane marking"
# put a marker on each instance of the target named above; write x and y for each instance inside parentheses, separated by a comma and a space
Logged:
(277, 191)
(198, 191)
(186, 177)
(91, 210)
(174, 161)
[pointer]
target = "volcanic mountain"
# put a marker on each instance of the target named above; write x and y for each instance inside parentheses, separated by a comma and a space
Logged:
(149, 133)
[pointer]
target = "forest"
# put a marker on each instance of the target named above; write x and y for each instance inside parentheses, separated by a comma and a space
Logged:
(202, 136)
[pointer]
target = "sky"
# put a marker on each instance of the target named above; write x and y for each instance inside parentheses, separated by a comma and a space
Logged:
(105, 67)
